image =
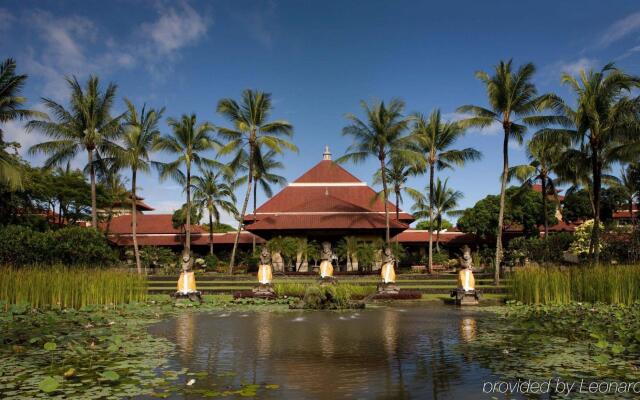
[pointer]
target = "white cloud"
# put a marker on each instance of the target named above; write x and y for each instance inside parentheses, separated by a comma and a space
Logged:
(175, 28)
(620, 29)
(576, 66)
(14, 131)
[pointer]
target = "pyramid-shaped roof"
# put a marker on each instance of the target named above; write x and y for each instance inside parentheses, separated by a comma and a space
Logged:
(327, 196)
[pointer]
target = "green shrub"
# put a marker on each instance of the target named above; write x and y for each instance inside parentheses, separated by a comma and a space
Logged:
(71, 246)
(441, 258)
(539, 249)
(157, 257)
(211, 262)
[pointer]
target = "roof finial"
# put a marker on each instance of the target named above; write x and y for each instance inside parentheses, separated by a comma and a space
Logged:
(327, 154)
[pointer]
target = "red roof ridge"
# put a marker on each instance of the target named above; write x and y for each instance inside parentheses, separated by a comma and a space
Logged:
(327, 171)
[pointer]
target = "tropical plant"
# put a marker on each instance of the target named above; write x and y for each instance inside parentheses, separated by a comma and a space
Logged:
(86, 125)
(513, 102)
(140, 134)
(604, 125)
(11, 104)
(433, 139)
(214, 192)
(347, 249)
(251, 132)
(188, 140)
(286, 246)
(631, 188)
(398, 172)
(380, 135)
(544, 152)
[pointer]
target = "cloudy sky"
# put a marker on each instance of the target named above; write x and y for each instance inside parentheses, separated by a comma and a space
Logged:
(319, 59)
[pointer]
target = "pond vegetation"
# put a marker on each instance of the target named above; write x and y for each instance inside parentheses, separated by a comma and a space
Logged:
(611, 284)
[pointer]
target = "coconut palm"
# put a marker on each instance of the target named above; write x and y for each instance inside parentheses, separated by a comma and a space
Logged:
(379, 135)
(513, 102)
(188, 140)
(140, 134)
(86, 125)
(398, 172)
(250, 134)
(631, 190)
(433, 138)
(544, 152)
(603, 125)
(442, 200)
(213, 190)
(117, 193)
(11, 109)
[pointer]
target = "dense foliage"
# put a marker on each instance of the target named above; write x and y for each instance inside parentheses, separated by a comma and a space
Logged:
(69, 246)
(539, 249)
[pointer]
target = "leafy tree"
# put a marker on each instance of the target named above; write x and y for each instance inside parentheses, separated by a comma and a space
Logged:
(445, 224)
(434, 139)
(251, 132)
(188, 140)
(86, 125)
(513, 101)
(180, 219)
(214, 192)
(381, 135)
(140, 134)
(577, 206)
(11, 108)
(604, 124)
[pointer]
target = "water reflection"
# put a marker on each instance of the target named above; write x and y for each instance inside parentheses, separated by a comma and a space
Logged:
(376, 353)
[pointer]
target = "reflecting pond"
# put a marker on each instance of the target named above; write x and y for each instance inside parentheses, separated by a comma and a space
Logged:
(383, 352)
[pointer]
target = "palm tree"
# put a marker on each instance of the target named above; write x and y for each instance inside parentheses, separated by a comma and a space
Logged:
(513, 102)
(631, 189)
(188, 140)
(214, 191)
(86, 125)
(140, 134)
(433, 138)
(265, 177)
(442, 200)
(398, 172)
(251, 132)
(117, 192)
(544, 152)
(11, 109)
(604, 124)
(381, 135)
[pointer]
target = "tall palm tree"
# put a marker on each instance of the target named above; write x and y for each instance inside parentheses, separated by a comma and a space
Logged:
(604, 125)
(117, 192)
(433, 138)
(86, 125)
(443, 200)
(188, 140)
(214, 191)
(251, 132)
(513, 101)
(265, 176)
(140, 135)
(11, 104)
(544, 152)
(379, 135)
(398, 172)
(631, 189)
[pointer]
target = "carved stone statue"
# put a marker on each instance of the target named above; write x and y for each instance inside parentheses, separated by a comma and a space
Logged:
(326, 268)
(388, 262)
(265, 276)
(466, 293)
(187, 280)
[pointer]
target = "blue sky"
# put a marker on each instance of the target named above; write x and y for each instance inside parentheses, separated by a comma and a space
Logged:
(319, 59)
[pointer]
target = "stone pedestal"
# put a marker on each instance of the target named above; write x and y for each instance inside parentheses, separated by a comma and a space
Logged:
(327, 280)
(466, 297)
(388, 288)
(264, 291)
(182, 297)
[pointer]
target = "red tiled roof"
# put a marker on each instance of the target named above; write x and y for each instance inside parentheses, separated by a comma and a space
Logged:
(146, 223)
(178, 239)
(325, 221)
(626, 213)
(327, 171)
(422, 236)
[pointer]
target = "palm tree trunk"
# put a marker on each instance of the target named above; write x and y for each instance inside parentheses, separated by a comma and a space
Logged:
(384, 192)
(595, 239)
(633, 219)
(134, 221)
(544, 206)
(92, 176)
(255, 190)
(244, 209)
(438, 227)
(187, 242)
(431, 173)
(503, 187)
(210, 231)
(397, 210)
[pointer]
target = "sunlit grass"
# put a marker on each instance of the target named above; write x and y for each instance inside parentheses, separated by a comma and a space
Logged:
(64, 287)
(611, 284)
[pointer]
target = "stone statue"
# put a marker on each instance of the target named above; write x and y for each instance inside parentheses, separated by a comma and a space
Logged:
(187, 280)
(265, 276)
(326, 268)
(388, 262)
(466, 293)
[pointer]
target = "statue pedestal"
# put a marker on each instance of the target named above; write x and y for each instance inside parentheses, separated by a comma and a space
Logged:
(264, 291)
(466, 297)
(327, 280)
(388, 288)
(181, 297)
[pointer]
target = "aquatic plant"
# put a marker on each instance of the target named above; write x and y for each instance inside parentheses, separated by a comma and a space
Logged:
(63, 287)
(612, 284)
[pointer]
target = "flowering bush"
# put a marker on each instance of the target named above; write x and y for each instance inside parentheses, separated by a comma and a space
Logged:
(582, 238)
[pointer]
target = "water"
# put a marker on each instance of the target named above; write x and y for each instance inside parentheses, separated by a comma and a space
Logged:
(380, 353)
